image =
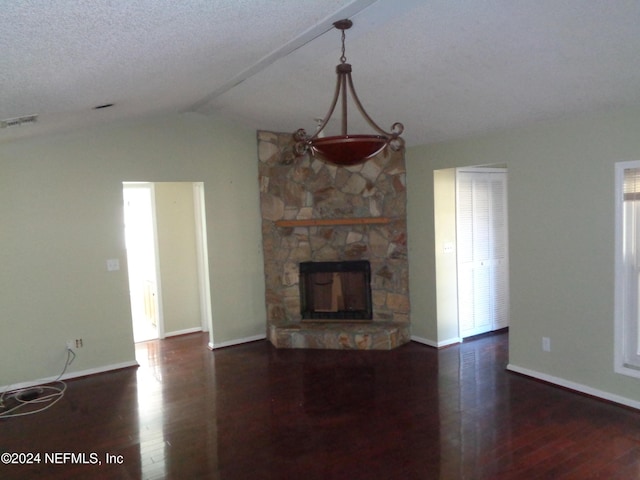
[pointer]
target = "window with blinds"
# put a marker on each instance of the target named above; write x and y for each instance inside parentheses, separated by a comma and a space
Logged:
(631, 186)
(627, 283)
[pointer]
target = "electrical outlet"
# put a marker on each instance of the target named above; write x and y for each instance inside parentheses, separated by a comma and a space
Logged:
(73, 344)
(546, 344)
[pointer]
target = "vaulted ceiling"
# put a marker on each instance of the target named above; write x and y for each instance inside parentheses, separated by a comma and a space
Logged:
(445, 68)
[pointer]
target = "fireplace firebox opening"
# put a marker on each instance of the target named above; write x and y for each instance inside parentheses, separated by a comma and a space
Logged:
(334, 291)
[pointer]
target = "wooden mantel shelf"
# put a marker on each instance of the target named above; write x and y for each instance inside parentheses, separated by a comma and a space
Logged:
(321, 222)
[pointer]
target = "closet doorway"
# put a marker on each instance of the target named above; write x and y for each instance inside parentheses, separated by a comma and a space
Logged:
(482, 250)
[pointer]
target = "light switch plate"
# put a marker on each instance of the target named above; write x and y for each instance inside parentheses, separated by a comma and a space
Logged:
(113, 264)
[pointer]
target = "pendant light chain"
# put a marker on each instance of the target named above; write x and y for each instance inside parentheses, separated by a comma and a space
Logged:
(343, 58)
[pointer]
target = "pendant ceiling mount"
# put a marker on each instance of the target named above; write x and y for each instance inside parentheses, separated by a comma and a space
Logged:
(347, 149)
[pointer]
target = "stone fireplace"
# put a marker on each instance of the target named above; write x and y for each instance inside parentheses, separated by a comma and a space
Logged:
(342, 231)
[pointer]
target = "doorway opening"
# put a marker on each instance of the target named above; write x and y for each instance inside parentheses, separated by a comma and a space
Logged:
(165, 235)
(482, 250)
(142, 262)
(470, 220)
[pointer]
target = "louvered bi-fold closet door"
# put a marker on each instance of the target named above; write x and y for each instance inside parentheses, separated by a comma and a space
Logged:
(482, 251)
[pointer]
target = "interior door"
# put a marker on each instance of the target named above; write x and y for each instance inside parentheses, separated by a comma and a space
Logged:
(482, 253)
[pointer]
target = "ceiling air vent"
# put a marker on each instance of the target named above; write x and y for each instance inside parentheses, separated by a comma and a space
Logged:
(15, 122)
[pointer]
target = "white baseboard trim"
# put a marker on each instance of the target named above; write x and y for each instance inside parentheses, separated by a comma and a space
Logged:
(449, 341)
(67, 376)
(575, 386)
(175, 333)
(431, 343)
(230, 343)
(424, 341)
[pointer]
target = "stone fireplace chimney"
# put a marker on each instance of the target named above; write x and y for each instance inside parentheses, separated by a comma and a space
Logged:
(316, 212)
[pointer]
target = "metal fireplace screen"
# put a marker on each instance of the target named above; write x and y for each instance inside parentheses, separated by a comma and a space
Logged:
(336, 290)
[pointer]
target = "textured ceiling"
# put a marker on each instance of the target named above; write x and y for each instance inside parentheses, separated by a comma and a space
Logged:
(446, 69)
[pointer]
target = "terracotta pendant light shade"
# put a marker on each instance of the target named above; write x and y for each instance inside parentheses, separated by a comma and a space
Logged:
(347, 149)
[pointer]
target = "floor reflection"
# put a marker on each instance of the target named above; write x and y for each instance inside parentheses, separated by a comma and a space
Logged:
(328, 414)
(151, 410)
(177, 400)
(472, 403)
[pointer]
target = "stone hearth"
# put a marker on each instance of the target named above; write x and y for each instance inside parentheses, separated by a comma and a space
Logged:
(340, 335)
(314, 211)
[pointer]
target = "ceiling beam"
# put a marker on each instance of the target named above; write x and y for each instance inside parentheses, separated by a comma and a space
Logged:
(301, 40)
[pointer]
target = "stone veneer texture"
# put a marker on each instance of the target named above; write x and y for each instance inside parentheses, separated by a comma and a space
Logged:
(308, 188)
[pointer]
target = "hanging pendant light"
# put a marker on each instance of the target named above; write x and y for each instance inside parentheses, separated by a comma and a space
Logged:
(347, 149)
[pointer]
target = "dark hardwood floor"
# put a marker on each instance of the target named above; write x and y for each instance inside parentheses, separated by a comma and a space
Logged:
(254, 412)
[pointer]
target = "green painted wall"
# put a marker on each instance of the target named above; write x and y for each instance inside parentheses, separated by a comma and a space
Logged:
(61, 218)
(561, 240)
(178, 258)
